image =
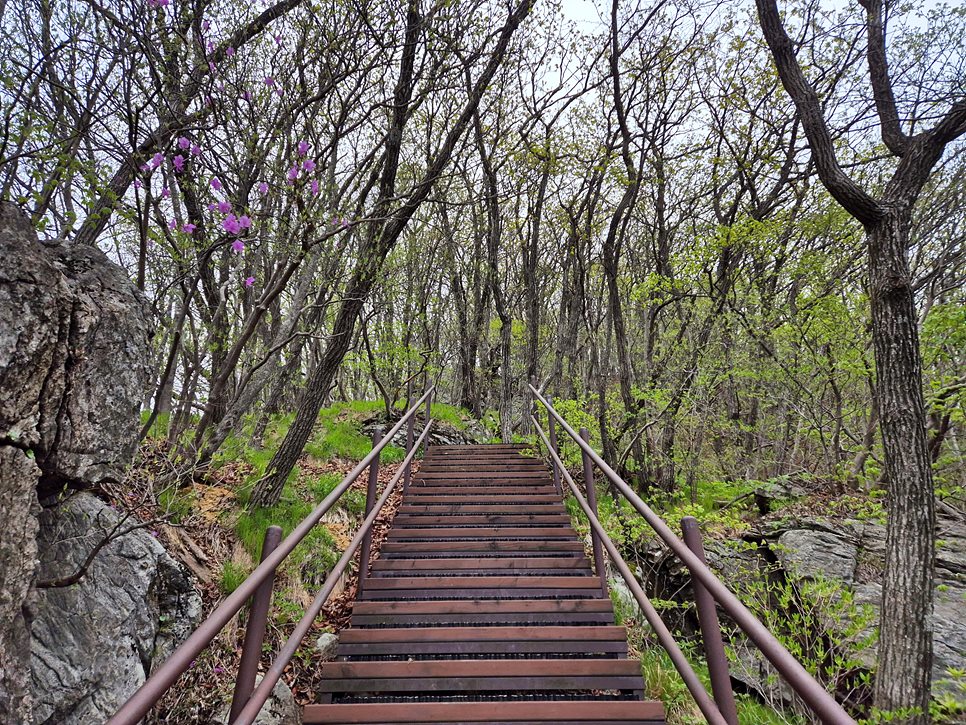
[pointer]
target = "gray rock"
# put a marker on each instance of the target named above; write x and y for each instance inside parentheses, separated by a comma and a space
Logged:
(18, 561)
(74, 356)
(327, 645)
(810, 553)
(94, 641)
(279, 709)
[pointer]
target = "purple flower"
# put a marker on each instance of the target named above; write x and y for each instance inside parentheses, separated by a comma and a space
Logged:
(210, 45)
(196, 150)
(188, 228)
(247, 96)
(278, 39)
(231, 225)
(216, 183)
(263, 188)
(249, 281)
(238, 246)
(211, 66)
(173, 225)
(138, 184)
(178, 162)
(165, 192)
(218, 670)
(345, 223)
(230, 52)
(145, 167)
(157, 160)
(269, 81)
(315, 187)
(303, 148)
(224, 207)
(212, 206)
(309, 165)
(293, 173)
(183, 143)
(205, 25)
(244, 221)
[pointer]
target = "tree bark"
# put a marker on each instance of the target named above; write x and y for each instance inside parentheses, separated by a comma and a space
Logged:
(269, 490)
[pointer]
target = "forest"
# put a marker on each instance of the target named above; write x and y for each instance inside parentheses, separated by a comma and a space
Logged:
(725, 236)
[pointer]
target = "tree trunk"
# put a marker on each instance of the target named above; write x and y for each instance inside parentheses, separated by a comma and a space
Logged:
(905, 656)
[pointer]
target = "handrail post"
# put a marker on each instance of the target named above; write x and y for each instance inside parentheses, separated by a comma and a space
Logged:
(592, 501)
(429, 414)
(552, 429)
(370, 502)
(714, 651)
(255, 630)
(410, 426)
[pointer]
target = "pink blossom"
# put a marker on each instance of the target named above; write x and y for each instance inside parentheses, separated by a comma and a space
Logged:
(263, 188)
(309, 165)
(196, 150)
(231, 225)
(178, 162)
(157, 160)
(216, 183)
(188, 228)
(224, 207)
(165, 192)
(249, 281)
(303, 148)
(183, 143)
(238, 246)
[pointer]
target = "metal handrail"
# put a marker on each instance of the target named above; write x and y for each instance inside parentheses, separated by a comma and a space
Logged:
(807, 687)
(707, 705)
(180, 660)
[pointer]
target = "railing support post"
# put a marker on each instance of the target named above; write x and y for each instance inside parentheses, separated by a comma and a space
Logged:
(429, 415)
(370, 502)
(552, 428)
(255, 630)
(714, 651)
(592, 502)
(410, 426)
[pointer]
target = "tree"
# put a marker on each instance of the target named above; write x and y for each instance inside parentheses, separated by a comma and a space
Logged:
(903, 678)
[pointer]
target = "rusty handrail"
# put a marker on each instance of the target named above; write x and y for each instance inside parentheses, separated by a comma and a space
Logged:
(264, 690)
(148, 694)
(707, 705)
(797, 677)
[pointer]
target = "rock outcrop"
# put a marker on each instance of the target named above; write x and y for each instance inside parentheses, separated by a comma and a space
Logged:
(74, 357)
(94, 642)
(74, 364)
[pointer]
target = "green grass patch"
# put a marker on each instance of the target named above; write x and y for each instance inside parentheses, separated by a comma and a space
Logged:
(232, 576)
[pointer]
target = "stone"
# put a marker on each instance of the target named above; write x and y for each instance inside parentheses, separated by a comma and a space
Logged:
(810, 553)
(18, 562)
(74, 357)
(280, 708)
(327, 645)
(94, 642)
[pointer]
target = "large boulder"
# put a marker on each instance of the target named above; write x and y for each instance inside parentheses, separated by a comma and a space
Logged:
(95, 641)
(74, 357)
(74, 364)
